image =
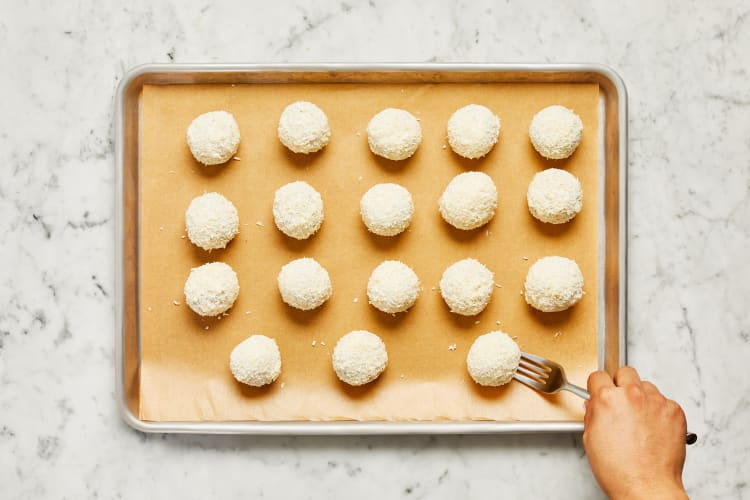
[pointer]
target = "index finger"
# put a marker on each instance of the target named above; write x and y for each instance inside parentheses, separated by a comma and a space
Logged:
(598, 380)
(626, 375)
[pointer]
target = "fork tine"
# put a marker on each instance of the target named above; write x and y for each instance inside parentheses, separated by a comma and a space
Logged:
(533, 357)
(547, 364)
(532, 375)
(540, 372)
(527, 381)
(537, 360)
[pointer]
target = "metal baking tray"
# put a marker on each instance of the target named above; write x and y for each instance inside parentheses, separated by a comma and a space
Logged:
(613, 221)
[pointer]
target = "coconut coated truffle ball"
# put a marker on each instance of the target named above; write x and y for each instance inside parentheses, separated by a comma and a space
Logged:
(466, 287)
(493, 359)
(469, 201)
(554, 196)
(211, 289)
(359, 357)
(213, 137)
(556, 132)
(298, 210)
(256, 361)
(304, 284)
(393, 287)
(473, 131)
(386, 209)
(303, 127)
(211, 221)
(394, 134)
(554, 284)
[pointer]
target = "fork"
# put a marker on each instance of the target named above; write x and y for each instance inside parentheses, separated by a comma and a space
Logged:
(549, 377)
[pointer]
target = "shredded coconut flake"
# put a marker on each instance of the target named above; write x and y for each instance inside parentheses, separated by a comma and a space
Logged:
(213, 137)
(211, 289)
(554, 196)
(473, 131)
(211, 221)
(553, 284)
(298, 210)
(556, 132)
(256, 361)
(303, 127)
(469, 201)
(393, 287)
(386, 209)
(304, 284)
(466, 287)
(394, 134)
(493, 359)
(359, 357)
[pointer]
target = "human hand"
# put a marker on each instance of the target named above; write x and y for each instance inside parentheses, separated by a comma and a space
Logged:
(634, 437)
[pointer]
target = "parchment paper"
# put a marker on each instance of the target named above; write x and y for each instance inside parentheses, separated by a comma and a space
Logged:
(185, 374)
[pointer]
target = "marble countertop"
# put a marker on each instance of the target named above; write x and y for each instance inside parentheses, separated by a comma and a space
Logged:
(686, 67)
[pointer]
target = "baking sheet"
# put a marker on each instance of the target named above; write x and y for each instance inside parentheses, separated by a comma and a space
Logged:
(184, 366)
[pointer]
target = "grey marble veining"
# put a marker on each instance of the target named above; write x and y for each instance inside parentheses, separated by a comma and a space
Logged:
(686, 67)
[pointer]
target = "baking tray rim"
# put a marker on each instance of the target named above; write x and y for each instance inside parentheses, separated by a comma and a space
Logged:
(358, 427)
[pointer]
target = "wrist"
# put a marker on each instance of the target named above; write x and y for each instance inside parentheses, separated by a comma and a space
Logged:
(671, 491)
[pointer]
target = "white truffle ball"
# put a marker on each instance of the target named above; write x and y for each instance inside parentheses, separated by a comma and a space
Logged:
(256, 361)
(304, 284)
(554, 284)
(393, 287)
(469, 201)
(466, 286)
(359, 357)
(303, 127)
(298, 210)
(387, 209)
(211, 221)
(213, 137)
(554, 196)
(493, 359)
(556, 132)
(211, 289)
(473, 131)
(394, 134)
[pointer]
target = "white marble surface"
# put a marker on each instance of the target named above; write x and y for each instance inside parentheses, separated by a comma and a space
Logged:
(686, 67)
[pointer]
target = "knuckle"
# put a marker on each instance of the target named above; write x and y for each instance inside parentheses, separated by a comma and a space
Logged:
(675, 410)
(605, 394)
(634, 393)
(650, 386)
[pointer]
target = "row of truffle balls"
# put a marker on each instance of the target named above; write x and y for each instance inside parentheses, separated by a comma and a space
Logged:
(468, 202)
(552, 284)
(360, 357)
(395, 134)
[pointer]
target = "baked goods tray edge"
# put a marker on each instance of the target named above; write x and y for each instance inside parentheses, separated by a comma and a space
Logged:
(613, 242)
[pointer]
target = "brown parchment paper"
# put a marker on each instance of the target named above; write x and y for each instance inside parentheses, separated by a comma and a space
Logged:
(185, 374)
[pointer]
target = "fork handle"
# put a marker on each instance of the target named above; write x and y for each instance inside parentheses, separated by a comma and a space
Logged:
(578, 391)
(690, 437)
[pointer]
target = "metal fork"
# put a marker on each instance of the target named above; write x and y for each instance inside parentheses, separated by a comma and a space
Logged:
(549, 377)
(545, 376)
